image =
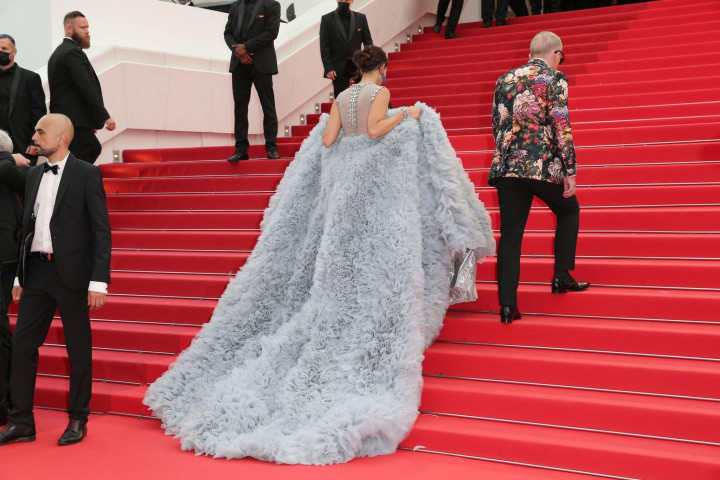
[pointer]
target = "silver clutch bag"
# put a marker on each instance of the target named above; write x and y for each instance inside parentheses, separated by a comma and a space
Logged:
(463, 270)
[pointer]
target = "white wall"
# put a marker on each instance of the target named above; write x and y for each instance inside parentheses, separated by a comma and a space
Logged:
(163, 67)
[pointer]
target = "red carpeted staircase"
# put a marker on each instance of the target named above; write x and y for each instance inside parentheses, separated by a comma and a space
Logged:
(621, 381)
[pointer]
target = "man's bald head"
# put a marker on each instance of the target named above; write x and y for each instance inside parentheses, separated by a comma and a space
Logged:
(53, 134)
(545, 45)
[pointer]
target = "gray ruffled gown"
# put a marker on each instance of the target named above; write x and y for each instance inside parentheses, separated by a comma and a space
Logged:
(314, 352)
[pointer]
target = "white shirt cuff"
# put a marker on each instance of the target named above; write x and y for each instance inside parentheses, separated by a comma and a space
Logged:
(99, 287)
(17, 282)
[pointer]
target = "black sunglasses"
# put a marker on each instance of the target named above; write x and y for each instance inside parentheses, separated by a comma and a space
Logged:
(562, 56)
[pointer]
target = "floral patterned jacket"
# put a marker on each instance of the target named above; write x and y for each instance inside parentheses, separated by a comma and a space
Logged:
(531, 125)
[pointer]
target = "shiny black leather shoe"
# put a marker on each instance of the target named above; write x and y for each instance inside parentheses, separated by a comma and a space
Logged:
(237, 156)
(13, 433)
(501, 23)
(486, 24)
(451, 36)
(273, 155)
(74, 433)
(568, 285)
(508, 314)
(437, 27)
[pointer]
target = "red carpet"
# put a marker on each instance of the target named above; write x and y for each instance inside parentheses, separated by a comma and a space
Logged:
(621, 381)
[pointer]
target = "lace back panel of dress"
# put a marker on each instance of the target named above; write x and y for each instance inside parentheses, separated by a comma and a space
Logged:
(354, 104)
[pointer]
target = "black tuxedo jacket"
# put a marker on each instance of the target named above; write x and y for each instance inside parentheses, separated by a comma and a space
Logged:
(260, 40)
(74, 87)
(26, 107)
(79, 227)
(335, 44)
(12, 189)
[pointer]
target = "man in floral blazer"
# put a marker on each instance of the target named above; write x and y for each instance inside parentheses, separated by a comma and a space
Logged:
(534, 156)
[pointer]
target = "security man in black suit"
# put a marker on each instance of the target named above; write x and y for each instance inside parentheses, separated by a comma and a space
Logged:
(22, 100)
(250, 33)
(12, 189)
(342, 33)
(75, 89)
(64, 265)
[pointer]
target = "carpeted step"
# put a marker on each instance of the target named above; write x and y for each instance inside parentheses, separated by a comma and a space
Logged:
(222, 220)
(612, 271)
(564, 448)
(189, 201)
(611, 371)
(609, 411)
(640, 303)
(535, 243)
(643, 337)
(668, 219)
(591, 175)
(242, 183)
(690, 194)
(628, 195)
(128, 336)
(106, 397)
(587, 43)
(130, 367)
(181, 262)
(170, 285)
(285, 149)
(192, 168)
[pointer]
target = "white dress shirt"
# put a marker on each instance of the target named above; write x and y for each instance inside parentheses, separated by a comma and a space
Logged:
(43, 209)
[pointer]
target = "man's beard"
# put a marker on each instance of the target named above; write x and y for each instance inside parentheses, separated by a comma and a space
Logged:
(43, 152)
(83, 42)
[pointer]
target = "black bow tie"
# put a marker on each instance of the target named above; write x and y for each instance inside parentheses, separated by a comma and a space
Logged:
(48, 168)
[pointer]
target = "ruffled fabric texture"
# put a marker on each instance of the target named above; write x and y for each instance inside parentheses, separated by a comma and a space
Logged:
(314, 352)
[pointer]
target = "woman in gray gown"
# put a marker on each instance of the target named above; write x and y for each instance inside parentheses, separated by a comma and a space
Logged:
(314, 352)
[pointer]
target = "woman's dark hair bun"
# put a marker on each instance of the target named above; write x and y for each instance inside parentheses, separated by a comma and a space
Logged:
(370, 58)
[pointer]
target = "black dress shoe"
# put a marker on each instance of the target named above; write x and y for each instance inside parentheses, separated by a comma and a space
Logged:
(74, 433)
(273, 155)
(237, 156)
(501, 23)
(568, 285)
(486, 24)
(437, 27)
(508, 314)
(450, 36)
(13, 433)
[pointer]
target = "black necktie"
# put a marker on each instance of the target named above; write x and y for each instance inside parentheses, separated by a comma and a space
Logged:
(48, 168)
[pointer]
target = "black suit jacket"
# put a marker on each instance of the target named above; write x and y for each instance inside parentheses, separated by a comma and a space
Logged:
(74, 87)
(264, 29)
(12, 189)
(79, 227)
(26, 107)
(335, 44)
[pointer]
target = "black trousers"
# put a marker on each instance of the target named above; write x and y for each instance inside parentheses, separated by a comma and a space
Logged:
(243, 78)
(515, 196)
(44, 292)
(488, 7)
(85, 145)
(7, 275)
(551, 6)
(519, 7)
(454, 17)
(344, 76)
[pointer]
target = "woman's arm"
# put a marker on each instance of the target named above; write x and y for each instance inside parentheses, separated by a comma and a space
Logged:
(332, 129)
(378, 125)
